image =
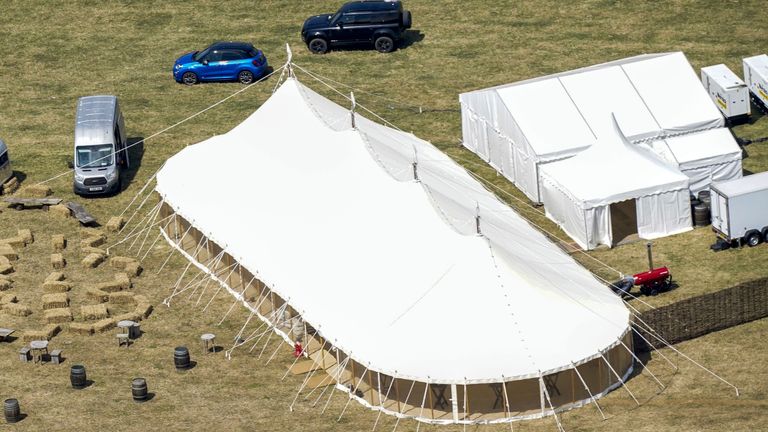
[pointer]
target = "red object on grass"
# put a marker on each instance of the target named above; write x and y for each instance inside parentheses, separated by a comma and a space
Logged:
(656, 275)
(297, 349)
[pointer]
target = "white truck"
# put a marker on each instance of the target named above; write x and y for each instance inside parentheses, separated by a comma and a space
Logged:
(727, 90)
(740, 209)
(756, 77)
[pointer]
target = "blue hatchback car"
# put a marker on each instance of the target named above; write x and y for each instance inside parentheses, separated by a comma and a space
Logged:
(222, 61)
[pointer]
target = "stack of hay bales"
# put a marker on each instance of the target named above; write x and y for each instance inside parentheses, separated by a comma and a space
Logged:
(57, 316)
(94, 312)
(55, 283)
(47, 333)
(128, 265)
(10, 186)
(58, 242)
(89, 245)
(55, 301)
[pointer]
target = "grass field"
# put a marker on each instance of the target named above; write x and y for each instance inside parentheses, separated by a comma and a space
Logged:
(57, 51)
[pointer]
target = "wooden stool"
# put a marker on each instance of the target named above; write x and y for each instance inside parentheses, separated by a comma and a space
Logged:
(208, 339)
(123, 338)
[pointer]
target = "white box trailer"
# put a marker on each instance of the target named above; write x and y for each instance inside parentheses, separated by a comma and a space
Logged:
(727, 90)
(5, 164)
(740, 209)
(756, 77)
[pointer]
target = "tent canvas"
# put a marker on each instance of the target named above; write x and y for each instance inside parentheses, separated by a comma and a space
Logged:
(534, 122)
(578, 192)
(394, 256)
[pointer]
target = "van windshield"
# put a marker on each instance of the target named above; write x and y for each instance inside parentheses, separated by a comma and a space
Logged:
(95, 156)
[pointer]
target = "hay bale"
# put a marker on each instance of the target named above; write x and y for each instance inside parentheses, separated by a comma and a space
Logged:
(5, 284)
(120, 262)
(123, 280)
(55, 301)
(121, 297)
(16, 309)
(92, 242)
(58, 316)
(115, 224)
(104, 325)
(7, 298)
(81, 329)
(27, 236)
(58, 242)
(51, 287)
(57, 261)
(89, 250)
(60, 210)
(7, 251)
(143, 309)
(36, 191)
(55, 277)
(51, 330)
(97, 295)
(6, 267)
(128, 316)
(10, 186)
(86, 232)
(92, 260)
(109, 287)
(133, 269)
(94, 312)
(15, 242)
(33, 335)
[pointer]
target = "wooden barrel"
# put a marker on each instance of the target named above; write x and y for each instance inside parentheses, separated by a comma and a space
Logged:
(181, 358)
(77, 376)
(139, 389)
(701, 215)
(11, 410)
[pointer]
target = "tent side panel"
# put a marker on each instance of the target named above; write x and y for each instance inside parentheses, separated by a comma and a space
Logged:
(702, 177)
(563, 210)
(663, 214)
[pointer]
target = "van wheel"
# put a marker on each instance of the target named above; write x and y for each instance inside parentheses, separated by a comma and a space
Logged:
(318, 46)
(189, 78)
(384, 44)
(752, 238)
(245, 77)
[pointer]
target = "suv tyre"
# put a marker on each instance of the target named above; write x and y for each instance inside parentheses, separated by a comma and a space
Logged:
(384, 44)
(318, 46)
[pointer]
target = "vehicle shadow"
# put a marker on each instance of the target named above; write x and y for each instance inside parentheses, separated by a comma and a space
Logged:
(410, 37)
(135, 155)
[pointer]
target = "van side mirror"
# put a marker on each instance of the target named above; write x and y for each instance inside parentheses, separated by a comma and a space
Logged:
(70, 164)
(205, 62)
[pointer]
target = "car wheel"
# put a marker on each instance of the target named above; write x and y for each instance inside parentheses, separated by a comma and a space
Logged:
(318, 46)
(384, 44)
(752, 238)
(189, 78)
(245, 77)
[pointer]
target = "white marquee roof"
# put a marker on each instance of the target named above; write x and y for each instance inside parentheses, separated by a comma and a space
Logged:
(389, 269)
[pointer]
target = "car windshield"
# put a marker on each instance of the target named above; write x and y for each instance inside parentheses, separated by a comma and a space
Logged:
(95, 156)
(201, 54)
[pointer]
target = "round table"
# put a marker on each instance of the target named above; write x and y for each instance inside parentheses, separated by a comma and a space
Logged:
(208, 338)
(38, 347)
(124, 324)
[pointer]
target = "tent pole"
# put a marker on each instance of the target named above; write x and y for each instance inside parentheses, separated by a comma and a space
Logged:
(431, 403)
(506, 397)
(226, 281)
(393, 379)
(423, 401)
(353, 393)
(328, 375)
(465, 405)
(546, 393)
(173, 250)
(623, 384)
(242, 293)
(370, 384)
(405, 405)
(586, 387)
(338, 377)
(641, 364)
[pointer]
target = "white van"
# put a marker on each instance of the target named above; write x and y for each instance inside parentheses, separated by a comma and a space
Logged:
(101, 152)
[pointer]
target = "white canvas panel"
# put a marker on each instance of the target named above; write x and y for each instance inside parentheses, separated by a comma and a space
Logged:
(673, 93)
(535, 106)
(526, 174)
(599, 226)
(601, 92)
(332, 222)
(663, 214)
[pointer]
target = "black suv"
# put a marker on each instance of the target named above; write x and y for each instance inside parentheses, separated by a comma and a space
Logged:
(380, 22)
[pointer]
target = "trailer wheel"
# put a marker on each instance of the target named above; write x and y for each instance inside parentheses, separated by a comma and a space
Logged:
(752, 238)
(765, 234)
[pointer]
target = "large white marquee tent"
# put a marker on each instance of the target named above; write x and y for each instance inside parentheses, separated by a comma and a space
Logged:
(419, 292)
(615, 189)
(519, 127)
